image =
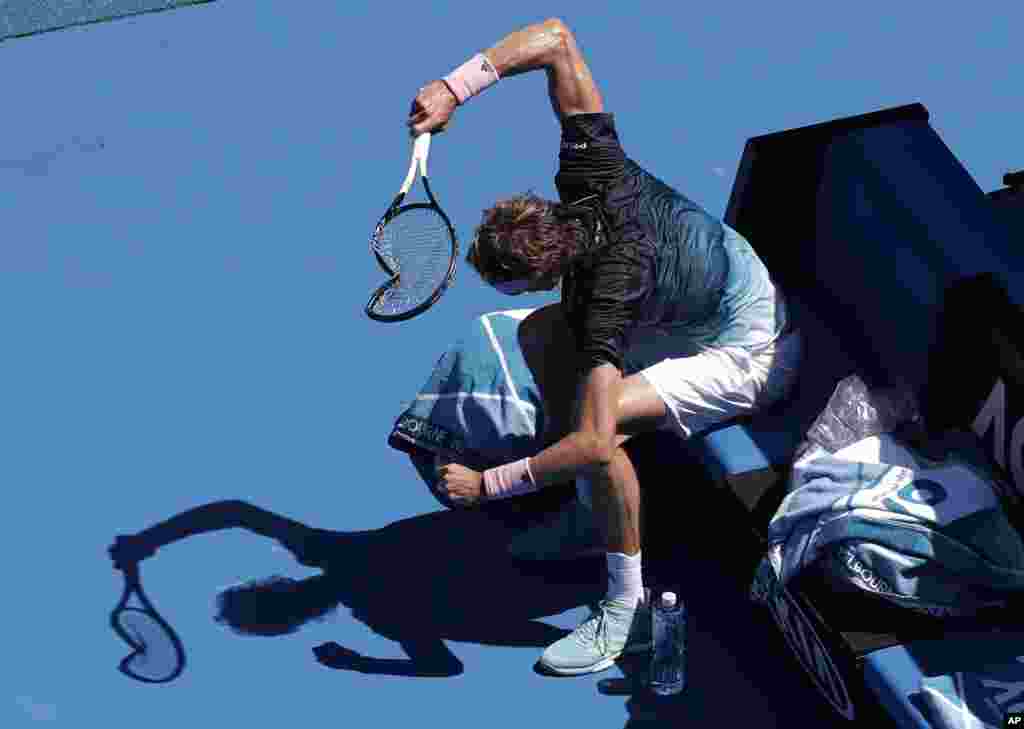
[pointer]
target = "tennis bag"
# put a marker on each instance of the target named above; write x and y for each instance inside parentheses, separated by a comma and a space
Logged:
(887, 510)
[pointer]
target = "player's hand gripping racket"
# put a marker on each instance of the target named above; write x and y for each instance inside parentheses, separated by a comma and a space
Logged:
(158, 655)
(416, 246)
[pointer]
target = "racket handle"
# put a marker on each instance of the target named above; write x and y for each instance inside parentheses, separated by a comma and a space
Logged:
(421, 150)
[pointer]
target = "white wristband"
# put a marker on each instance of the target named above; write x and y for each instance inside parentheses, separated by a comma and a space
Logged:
(511, 479)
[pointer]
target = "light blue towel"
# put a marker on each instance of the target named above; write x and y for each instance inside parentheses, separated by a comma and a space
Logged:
(930, 535)
(480, 406)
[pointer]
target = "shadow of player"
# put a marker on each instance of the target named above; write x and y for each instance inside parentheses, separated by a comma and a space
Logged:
(419, 582)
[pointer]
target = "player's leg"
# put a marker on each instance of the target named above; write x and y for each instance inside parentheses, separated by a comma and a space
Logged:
(621, 622)
(615, 490)
(688, 395)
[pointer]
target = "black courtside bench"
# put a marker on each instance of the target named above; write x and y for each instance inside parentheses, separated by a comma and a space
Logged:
(898, 268)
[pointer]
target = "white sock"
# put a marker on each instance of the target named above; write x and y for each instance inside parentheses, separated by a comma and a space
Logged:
(625, 579)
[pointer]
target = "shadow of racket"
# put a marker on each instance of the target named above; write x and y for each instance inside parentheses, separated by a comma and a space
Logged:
(158, 655)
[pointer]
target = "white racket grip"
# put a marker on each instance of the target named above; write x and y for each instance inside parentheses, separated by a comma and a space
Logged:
(421, 149)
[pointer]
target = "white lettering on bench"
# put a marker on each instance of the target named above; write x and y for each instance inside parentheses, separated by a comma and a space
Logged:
(993, 416)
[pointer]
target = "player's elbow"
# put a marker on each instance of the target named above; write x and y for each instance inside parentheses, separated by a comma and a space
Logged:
(557, 25)
(560, 32)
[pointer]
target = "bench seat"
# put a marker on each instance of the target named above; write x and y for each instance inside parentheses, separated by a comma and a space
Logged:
(769, 438)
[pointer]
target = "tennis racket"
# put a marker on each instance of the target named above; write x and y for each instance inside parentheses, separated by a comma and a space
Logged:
(158, 655)
(415, 245)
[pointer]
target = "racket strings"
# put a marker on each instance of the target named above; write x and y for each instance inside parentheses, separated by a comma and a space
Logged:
(417, 246)
(156, 656)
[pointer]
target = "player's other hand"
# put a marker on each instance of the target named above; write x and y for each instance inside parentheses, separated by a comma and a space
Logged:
(431, 109)
(463, 486)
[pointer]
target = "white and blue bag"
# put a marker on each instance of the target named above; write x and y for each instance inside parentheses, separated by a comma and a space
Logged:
(918, 521)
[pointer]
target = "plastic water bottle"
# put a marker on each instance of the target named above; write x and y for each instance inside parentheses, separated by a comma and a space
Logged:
(668, 657)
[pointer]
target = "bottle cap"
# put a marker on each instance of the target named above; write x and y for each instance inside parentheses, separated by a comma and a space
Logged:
(668, 599)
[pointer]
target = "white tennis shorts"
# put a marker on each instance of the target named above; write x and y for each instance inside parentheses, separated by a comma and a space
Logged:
(719, 384)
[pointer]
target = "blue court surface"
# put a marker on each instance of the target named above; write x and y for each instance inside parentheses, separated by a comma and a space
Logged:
(186, 200)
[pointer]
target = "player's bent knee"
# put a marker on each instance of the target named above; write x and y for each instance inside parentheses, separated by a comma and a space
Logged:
(641, 408)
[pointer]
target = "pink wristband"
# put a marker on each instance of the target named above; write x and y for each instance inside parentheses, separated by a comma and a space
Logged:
(472, 77)
(512, 479)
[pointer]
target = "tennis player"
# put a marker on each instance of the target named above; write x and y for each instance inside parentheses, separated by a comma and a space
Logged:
(668, 319)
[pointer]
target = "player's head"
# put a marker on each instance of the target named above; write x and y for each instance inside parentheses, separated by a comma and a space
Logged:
(522, 244)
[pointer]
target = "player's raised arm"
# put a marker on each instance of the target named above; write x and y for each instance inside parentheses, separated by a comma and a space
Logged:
(549, 45)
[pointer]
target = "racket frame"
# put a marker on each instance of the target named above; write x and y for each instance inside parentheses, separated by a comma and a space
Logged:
(421, 150)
